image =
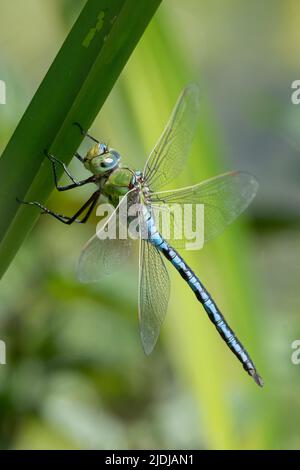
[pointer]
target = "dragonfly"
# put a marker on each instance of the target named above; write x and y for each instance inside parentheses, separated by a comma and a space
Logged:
(224, 197)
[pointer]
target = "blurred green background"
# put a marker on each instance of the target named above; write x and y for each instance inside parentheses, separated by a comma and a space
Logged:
(76, 376)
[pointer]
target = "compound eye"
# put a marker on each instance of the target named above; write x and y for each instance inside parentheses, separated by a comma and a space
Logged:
(115, 154)
(107, 162)
(102, 148)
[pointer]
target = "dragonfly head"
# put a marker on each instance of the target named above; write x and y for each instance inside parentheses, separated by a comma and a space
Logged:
(101, 159)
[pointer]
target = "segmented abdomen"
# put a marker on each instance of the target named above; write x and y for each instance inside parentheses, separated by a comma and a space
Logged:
(204, 297)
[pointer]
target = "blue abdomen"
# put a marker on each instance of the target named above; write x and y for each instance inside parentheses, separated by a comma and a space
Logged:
(203, 296)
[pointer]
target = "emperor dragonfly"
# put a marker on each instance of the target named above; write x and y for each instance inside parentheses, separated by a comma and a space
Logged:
(224, 197)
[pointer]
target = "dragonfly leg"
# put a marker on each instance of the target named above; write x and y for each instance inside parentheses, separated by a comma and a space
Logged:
(90, 204)
(80, 158)
(86, 134)
(75, 184)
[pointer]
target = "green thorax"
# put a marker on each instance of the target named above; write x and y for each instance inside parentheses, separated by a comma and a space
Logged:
(118, 184)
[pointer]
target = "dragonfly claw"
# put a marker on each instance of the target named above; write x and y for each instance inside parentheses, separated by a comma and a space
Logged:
(85, 133)
(48, 155)
(80, 127)
(20, 201)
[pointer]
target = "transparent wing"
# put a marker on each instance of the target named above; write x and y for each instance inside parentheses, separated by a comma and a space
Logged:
(101, 257)
(103, 254)
(154, 292)
(171, 151)
(224, 198)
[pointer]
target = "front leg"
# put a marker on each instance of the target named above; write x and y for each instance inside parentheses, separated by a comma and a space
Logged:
(86, 134)
(75, 183)
(90, 204)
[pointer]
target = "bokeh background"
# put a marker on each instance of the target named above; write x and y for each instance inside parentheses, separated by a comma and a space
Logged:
(76, 376)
